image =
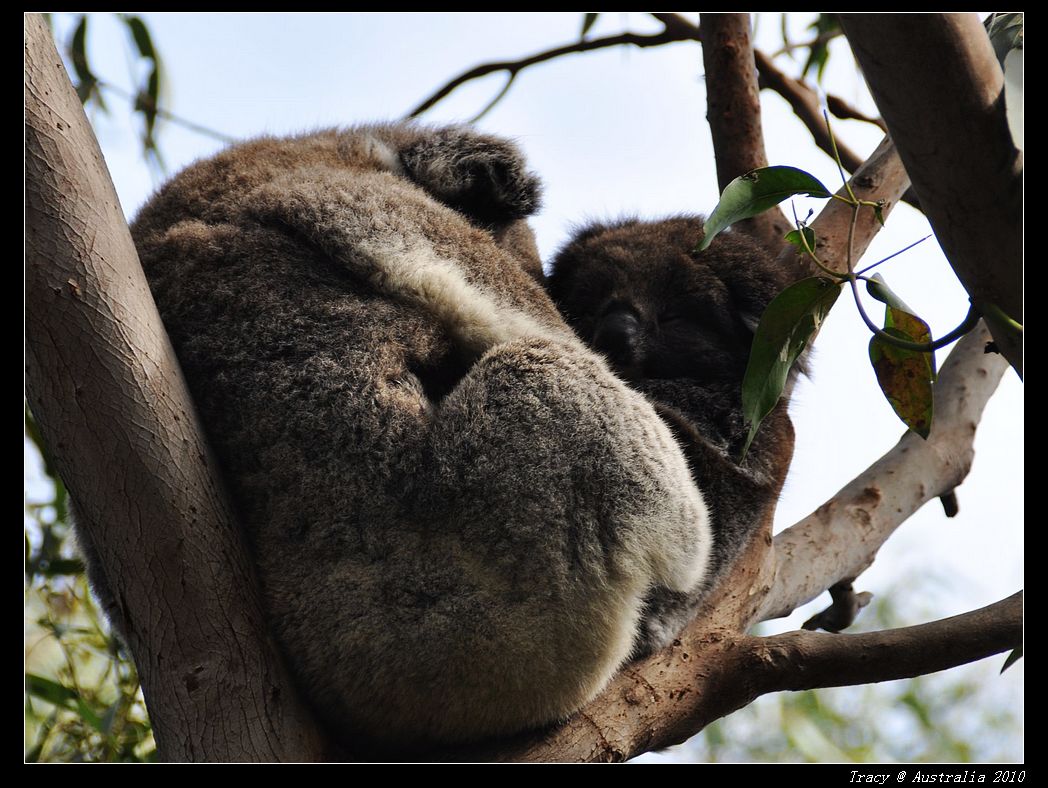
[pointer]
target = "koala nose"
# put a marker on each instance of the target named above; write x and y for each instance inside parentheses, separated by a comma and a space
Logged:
(618, 337)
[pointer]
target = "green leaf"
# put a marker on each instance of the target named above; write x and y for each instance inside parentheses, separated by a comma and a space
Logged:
(878, 288)
(819, 54)
(805, 245)
(63, 566)
(786, 326)
(756, 192)
(1014, 657)
(87, 83)
(878, 211)
(899, 315)
(587, 23)
(89, 716)
(51, 691)
(140, 34)
(905, 377)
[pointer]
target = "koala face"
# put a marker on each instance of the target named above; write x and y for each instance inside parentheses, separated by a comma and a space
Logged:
(658, 310)
(668, 319)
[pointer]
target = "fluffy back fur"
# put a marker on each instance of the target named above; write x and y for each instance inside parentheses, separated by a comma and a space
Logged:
(456, 509)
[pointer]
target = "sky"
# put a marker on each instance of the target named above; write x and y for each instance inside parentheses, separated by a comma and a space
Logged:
(612, 133)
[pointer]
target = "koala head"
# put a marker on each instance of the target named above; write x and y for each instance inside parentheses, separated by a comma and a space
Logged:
(676, 323)
(640, 294)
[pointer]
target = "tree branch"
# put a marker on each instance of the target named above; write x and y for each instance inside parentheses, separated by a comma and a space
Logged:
(810, 660)
(805, 104)
(734, 114)
(109, 398)
(512, 67)
(802, 99)
(977, 173)
(841, 538)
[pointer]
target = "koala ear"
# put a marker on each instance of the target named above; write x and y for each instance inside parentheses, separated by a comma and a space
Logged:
(599, 228)
(482, 177)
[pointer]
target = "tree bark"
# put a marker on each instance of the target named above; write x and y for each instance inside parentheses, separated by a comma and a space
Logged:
(957, 149)
(106, 389)
(734, 114)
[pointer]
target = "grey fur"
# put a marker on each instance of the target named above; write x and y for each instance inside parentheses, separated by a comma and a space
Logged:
(456, 509)
(678, 326)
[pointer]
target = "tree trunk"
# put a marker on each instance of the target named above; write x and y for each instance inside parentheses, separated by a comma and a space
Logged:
(105, 387)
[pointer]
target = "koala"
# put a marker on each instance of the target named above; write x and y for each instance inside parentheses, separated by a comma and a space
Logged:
(678, 325)
(457, 511)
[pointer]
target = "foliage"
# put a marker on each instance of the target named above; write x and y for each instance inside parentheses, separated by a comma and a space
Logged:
(902, 353)
(146, 75)
(82, 701)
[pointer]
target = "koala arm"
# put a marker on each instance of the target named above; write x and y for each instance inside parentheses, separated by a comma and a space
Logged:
(740, 495)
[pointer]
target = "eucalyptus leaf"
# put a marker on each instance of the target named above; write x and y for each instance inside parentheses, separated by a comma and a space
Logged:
(785, 328)
(905, 377)
(63, 566)
(89, 716)
(756, 192)
(140, 34)
(51, 691)
(878, 212)
(805, 245)
(878, 288)
(1006, 33)
(87, 82)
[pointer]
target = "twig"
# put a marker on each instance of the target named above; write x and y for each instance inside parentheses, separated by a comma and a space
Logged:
(512, 67)
(844, 660)
(823, 38)
(169, 116)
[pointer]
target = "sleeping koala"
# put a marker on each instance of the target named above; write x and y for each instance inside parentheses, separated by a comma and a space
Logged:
(678, 326)
(456, 509)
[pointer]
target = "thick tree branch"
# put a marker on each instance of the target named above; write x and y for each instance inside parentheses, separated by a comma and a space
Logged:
(710, 672)
(841, 538)
(958, 176)
(810, 660)
(105, 387)
(734, 114)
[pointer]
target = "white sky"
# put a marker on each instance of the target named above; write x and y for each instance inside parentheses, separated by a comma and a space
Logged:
(613, 132)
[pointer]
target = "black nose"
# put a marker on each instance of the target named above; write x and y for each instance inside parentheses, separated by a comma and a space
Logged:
(618, 336)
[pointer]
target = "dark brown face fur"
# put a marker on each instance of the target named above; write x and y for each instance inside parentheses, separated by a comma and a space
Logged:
(659, 311)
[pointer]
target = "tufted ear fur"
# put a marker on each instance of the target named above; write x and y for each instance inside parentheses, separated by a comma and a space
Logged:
(483, 177)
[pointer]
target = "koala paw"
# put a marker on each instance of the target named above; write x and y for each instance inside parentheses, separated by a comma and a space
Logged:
(483, 177)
